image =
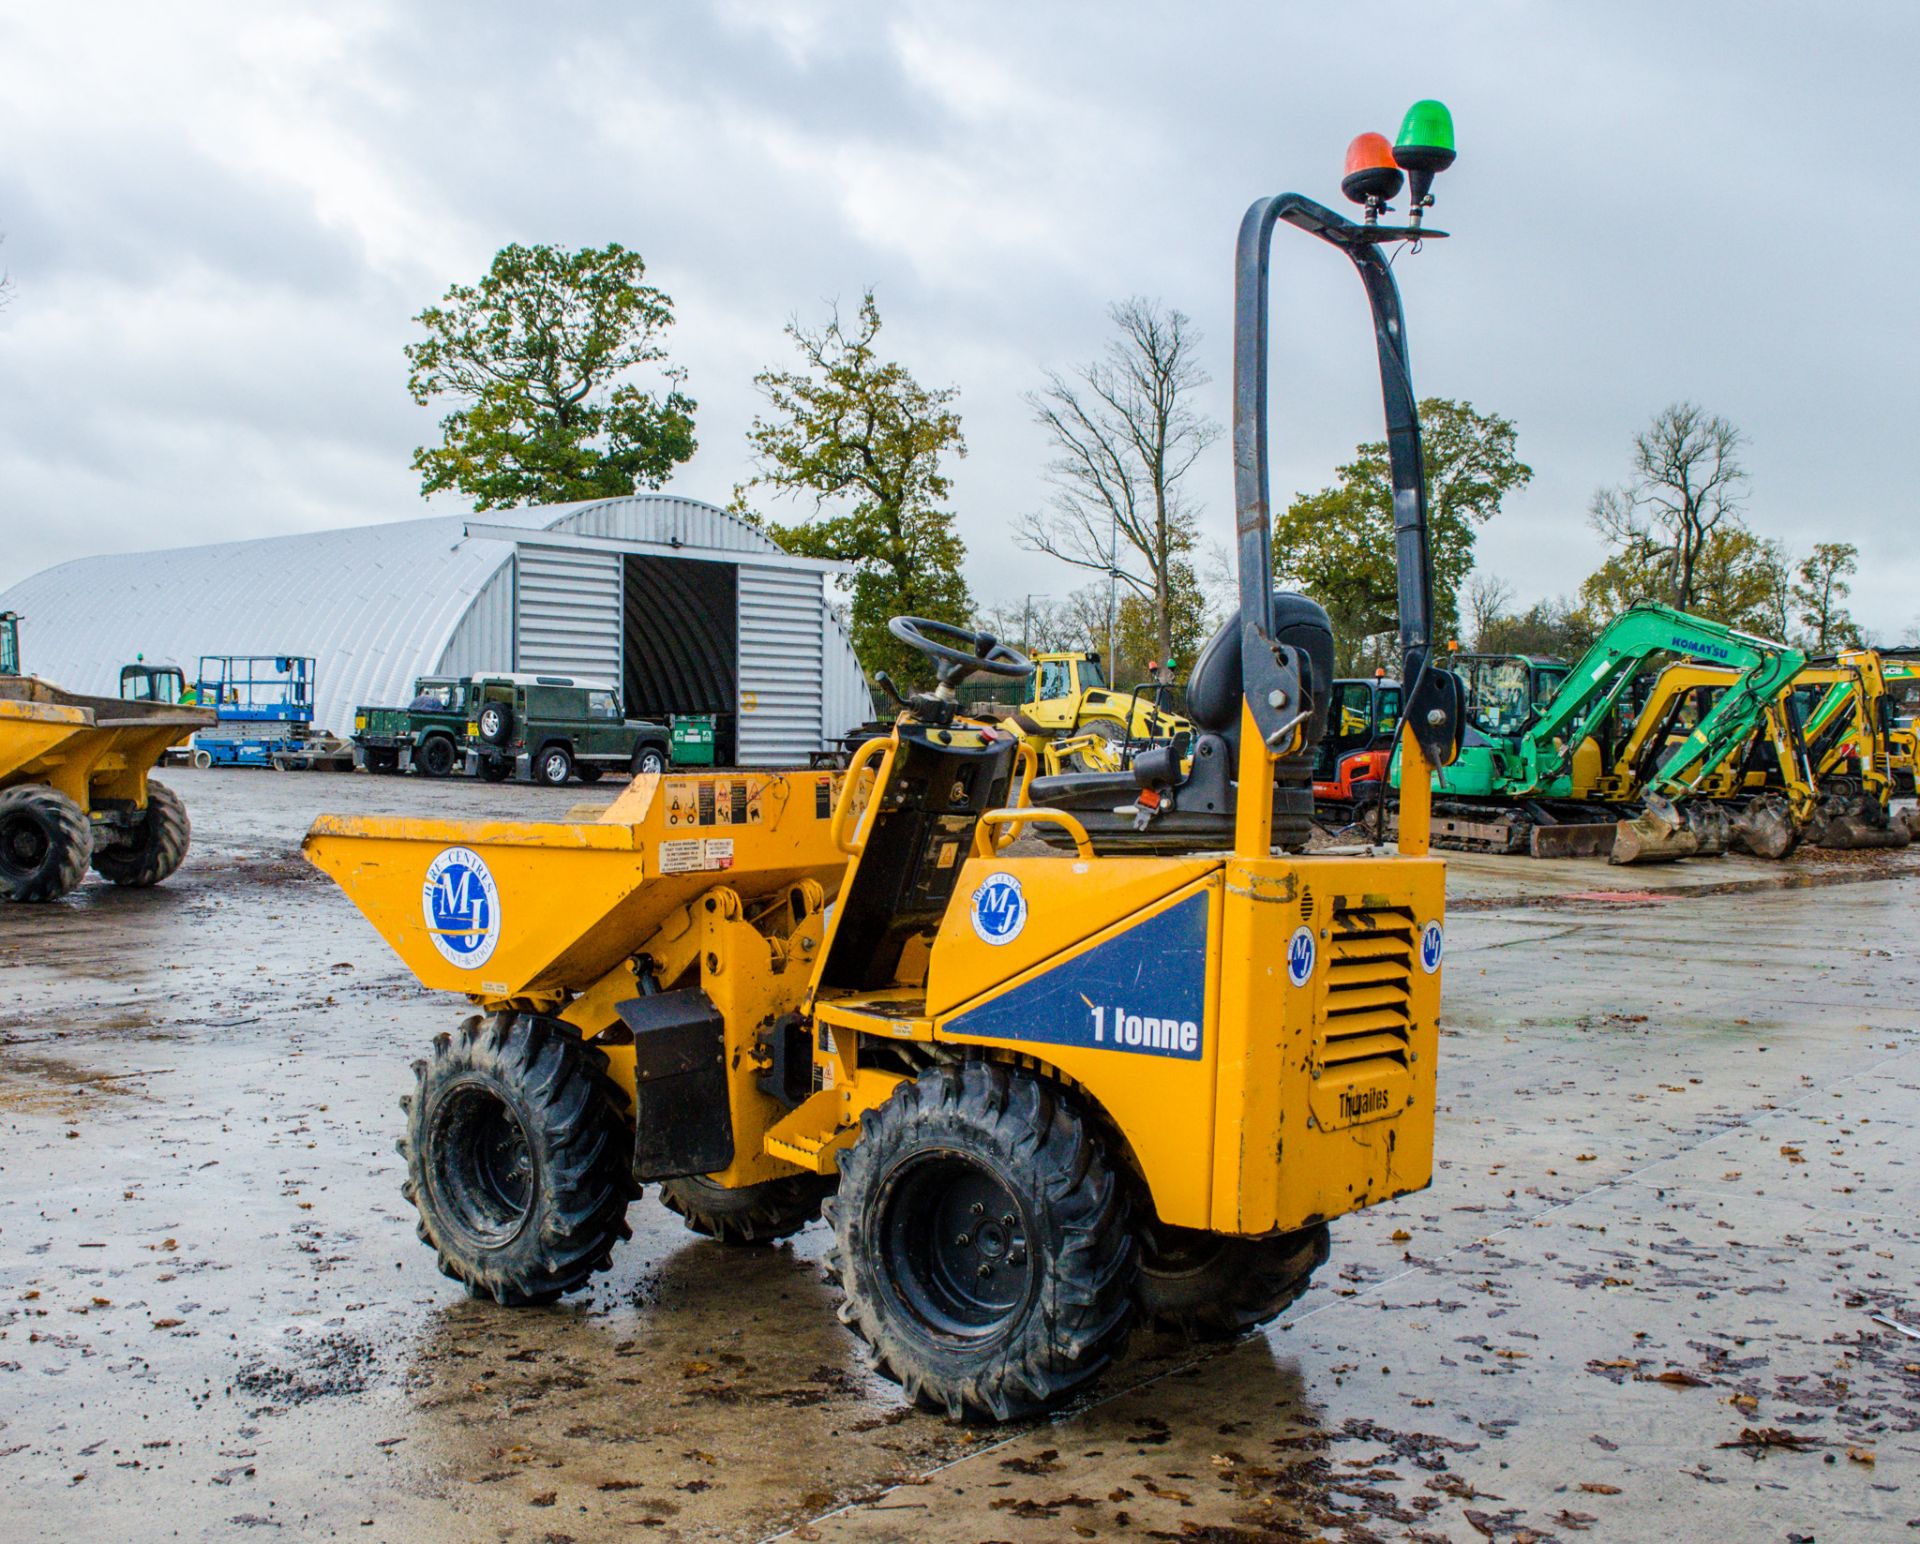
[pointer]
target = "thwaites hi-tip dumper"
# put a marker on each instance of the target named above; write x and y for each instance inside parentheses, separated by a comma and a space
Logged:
(74, 789)
(1039, 1096)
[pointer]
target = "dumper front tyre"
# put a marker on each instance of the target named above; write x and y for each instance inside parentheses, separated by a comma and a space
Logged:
(518, 1158)
(746, 1214)
(154, 848)
(982, 1240)
(1211, 1286)
(46, 842)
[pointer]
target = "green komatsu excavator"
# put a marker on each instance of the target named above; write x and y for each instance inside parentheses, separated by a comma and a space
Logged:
(1527, 778)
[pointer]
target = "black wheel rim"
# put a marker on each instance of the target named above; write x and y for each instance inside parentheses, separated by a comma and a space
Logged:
(956, 1245)
(438, 758)
(482, 1165)
(23, 845)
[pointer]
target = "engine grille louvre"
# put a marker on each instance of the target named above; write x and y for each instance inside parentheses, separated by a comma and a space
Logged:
(1368, 1012)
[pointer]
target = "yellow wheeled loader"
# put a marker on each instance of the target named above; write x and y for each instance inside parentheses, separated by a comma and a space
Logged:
(74, 785)
(1040, 1096)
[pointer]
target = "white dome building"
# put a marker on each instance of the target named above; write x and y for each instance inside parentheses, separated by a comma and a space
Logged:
(687, 607)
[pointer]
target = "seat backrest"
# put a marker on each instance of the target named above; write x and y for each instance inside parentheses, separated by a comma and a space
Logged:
(918, 836)
(1213, 690)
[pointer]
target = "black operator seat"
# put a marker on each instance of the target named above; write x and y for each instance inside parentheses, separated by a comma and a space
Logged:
(1201, 816)
(942, 782)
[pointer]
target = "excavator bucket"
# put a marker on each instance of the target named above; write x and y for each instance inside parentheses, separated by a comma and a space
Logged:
(1659, 834)
(1710, 825)
(1765, 828)
(1844, 824)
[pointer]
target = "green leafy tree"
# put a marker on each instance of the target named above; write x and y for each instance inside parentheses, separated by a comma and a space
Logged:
(1338, 544)
(1734, 576)
(539, 355)
(1818, 594)
(864, 441)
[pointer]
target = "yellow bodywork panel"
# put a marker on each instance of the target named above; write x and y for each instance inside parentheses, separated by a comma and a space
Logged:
(91, 749)
(505, 910)
(1261, 1035)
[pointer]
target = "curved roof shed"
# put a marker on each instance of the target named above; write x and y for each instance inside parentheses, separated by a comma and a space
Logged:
(689, 607)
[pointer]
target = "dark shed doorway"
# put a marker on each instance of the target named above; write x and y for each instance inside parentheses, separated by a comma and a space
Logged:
(681, 635)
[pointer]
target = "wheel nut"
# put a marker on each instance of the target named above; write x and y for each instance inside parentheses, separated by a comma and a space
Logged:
(978, 1208)
(964, 1239)
(985, 1269)
(1008, 1220)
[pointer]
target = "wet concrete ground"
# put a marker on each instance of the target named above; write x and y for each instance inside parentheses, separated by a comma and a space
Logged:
(1645, 1298)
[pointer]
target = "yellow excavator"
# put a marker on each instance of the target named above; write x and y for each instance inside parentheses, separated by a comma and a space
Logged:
(1040, 1097)
(1808, 763)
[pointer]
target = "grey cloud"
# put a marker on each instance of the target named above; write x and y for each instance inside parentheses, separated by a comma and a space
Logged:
(1652, 202)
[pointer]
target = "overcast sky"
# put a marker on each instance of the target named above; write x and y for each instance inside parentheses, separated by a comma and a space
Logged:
(219, 219)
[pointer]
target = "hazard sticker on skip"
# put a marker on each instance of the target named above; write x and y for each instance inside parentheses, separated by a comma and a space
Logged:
(696, 856)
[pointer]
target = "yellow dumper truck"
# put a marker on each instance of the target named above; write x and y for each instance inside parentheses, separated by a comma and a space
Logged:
(74, 785)
(1039, 1096)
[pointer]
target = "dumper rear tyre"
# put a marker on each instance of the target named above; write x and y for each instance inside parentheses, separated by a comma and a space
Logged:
(1209, 1286)
(45, 844)
(746, 1214)
(518, 1158)
(154, 848)
(983, 1243)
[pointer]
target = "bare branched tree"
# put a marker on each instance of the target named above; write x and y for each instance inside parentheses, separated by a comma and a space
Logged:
(1125, 435)
(1488, 600)
(1687, 481)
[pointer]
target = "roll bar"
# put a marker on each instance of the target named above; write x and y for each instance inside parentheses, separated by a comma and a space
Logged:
(1276, 700)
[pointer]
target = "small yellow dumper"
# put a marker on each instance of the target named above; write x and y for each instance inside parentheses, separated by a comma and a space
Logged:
(1040, 1096)
(75, 790)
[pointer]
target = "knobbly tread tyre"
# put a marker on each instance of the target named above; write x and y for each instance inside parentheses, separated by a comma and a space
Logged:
(1233, 1285)
(156, 850)
(46, 842)
(580, 1148)
(748, 1214)
(1079, 1306)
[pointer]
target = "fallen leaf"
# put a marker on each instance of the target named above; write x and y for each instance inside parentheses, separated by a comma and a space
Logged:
(1596, 1488)
(1584, 1157)
(168, 1324)
(1400, 1235)
(1860, 1455)
(1745, 1402)
(545, 1498)
(1673, 1377)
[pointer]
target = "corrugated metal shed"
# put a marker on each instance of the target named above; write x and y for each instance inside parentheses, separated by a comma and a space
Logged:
(378, 605)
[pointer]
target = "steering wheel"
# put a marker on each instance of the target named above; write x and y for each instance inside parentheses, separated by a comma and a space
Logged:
(958, 652)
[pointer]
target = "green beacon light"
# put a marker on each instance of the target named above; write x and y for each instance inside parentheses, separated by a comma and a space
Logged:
(1424, 149)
